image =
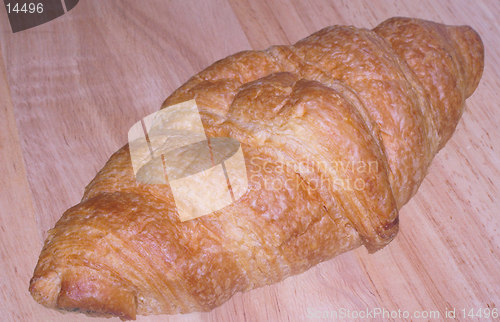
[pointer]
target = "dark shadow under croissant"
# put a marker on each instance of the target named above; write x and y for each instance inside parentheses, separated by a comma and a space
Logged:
(387, 99)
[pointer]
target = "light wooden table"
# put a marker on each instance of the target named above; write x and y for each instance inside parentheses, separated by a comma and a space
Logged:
(71, 88)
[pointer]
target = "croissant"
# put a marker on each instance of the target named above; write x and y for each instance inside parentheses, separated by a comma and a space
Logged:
(361, 112)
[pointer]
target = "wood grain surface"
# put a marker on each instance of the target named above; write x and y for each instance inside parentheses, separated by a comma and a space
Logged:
(71, 88)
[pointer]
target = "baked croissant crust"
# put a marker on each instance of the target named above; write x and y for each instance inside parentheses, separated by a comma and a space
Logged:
(388, 98)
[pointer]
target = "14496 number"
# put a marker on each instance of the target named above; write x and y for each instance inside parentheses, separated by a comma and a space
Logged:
(481, 313)
(25, 7)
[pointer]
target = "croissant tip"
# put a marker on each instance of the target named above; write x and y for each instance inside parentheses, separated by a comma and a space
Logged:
(45, 289)
(84, 293)
(470, 47)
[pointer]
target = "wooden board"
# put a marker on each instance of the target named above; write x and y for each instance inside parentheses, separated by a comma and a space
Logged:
(71, 88)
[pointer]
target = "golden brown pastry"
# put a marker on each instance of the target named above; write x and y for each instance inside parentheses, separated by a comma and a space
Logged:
(381, 101)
